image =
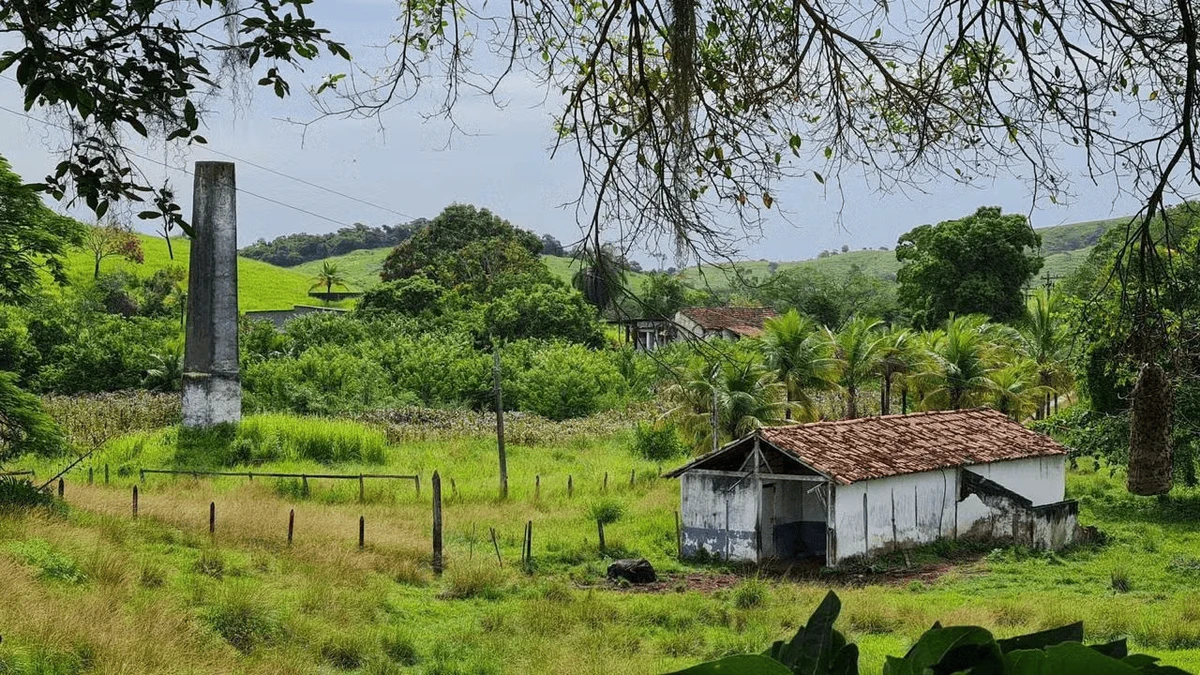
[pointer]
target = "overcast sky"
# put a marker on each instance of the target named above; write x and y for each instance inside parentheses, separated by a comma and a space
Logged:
(403, 163)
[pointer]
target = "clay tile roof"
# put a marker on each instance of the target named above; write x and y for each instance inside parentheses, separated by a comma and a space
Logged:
(736, 319)
(876, 447)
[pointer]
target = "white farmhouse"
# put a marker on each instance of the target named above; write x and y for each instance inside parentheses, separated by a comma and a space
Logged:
(835, 490)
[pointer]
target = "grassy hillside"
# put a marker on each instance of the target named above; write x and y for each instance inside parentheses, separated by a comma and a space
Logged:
(1075, 236)
(88, 588)
(361, 268)
(260, 285)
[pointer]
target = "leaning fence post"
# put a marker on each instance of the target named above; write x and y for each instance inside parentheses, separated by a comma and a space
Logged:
(600, 530)
(537, 487)
(212, 519)
(291, 524)
(362, 532)
(417, 480)
(436, 483)
(606, 482)
(496, 545)
(90, 475)
(135, 501)
(304, 485)
(570, 486)
(62, 487)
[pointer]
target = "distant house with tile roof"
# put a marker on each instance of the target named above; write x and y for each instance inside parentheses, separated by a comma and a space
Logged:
(729, 323)
(836, 490)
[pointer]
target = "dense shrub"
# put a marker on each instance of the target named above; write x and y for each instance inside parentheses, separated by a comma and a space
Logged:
(322, 380)
(21, 493)
(657, 442)
(565, 381)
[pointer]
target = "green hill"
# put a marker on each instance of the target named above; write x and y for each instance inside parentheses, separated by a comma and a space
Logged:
(260, 285)
(361, 268)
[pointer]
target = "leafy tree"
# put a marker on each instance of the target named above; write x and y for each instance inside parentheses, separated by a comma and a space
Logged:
(552, 246)
(662, 295)
(544, 311)
(974, 265)
(857, 352)
(897, 356)
(800, 355)
(433, 248)
(1015, 389)
(417, 295)
(32, 237)
(24, 426)
(329, 276)
(959, 361)
(112, 240)
(829, 299)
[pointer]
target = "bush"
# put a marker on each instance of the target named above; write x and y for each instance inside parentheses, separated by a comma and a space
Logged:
(606, 510)
(657, 442)
(241, 619)
(24, 425)
(564, 381)
(21, 493)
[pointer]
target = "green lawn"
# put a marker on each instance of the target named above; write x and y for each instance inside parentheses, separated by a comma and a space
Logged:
(90, 586)
(260, 285)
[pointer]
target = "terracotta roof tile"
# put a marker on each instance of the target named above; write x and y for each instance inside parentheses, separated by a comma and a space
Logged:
(730, 318)
(876, 447)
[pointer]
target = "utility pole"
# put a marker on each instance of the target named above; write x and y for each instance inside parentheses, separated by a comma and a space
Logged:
(716, 425)
(499, 420)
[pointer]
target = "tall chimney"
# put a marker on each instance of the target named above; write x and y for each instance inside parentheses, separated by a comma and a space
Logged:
(212, 388)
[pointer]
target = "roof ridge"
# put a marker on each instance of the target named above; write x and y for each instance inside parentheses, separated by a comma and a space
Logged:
(858, 420)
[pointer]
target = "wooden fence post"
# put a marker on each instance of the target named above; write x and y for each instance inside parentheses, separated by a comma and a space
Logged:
(570, 486)
(62, 488)
(106, 474)
(537, 487)
(600, 531)
(632, 475)
(436, 485)
(90, 475)
(362, 532)
(212, 519)
(417, 480)
(291, 524)
(605, 482)
(496, 545)
(304, 485)
(135, 501)
(361, 489)
(529, 546)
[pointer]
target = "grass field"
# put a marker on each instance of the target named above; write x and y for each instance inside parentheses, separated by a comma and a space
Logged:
(260, 285)
(88, 588)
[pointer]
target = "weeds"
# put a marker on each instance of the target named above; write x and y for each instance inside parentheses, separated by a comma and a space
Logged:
(242, 619)
(750, 593)
(344, 651)
(52, 564)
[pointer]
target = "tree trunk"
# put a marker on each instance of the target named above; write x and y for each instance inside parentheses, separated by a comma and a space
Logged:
(96, 271)
(1150, 433)
(851, 403)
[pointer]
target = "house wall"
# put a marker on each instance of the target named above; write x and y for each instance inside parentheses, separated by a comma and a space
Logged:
(901, 511)
(894, 512)
(720, 514)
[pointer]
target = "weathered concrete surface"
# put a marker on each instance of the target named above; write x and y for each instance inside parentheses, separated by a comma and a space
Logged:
(720, 515)
(212, 390)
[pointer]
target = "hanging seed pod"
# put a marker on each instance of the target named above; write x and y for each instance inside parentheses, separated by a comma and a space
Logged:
(1150, 433)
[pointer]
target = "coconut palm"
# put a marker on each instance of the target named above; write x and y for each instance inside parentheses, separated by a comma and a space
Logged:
(1045, 337)
(857, 353)
(329, 276)
(166, 370)
(897, 356)
(799, 355)
(1015, 389)
(959, 359)
(745, 394)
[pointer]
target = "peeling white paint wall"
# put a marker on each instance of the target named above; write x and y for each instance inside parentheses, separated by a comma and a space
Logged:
(1041, 480)
(720, 515)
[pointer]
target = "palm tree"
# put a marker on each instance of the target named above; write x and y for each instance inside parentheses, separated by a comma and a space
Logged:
(1015, 389)
(896, 357)
(166, 370)
(745, 394)
(329, 276)
(1045, 338)
(857, 353)
(799, 355)
(958, 362)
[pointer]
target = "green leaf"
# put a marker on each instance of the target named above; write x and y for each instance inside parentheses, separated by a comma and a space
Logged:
(745, 664)
(1042, 639)
(819, 177)
(936, 644)
(1068, 658)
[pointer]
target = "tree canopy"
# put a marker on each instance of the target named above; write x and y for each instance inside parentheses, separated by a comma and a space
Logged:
(973, 265)
(435, 248)
(32, 237)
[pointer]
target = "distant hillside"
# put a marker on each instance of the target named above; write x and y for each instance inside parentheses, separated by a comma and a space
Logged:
(1065, 248)
(361, 268)
(260, 285)
(291, 250)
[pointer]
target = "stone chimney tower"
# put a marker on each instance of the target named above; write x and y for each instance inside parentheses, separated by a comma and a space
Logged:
(212, 387)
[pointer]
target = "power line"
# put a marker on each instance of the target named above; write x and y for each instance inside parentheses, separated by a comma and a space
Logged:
(189, 173)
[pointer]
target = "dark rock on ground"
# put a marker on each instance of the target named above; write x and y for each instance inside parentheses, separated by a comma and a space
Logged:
(638, 571)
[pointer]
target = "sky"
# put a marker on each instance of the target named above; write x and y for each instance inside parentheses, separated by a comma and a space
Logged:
(413, 166)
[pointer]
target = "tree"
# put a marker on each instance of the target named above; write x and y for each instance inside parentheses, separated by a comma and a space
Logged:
(329, 276)
(1045, 336)
(974, 265)
(959, 361)
(896, 358)
(746, 396)
(1015, 389)
(799, 354)
(662, 295)
(24, 426)
(32, 237)
(857, 353)
(433, 248)
(112, 240)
